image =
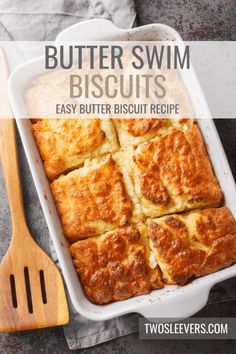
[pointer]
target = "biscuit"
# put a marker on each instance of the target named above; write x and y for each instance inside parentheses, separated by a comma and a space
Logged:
(172, 173)
(116, 265)
(64, 144)
(93, 199)
(194, 244)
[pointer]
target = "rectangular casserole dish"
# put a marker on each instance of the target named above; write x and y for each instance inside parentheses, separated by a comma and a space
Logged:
(171, 301)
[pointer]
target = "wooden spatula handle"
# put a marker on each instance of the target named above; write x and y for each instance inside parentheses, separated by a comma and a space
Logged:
(10, 168)
(8, 151)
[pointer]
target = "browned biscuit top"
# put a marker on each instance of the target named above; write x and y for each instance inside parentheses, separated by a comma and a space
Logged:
(92, 200)
(115, 266)
(194, 244)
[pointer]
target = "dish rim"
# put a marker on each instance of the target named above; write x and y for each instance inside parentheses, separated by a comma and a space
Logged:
(171, 301)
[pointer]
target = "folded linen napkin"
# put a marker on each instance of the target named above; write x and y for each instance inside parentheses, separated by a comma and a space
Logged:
(43, 20)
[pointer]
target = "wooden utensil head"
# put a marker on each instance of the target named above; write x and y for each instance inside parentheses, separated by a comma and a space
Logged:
(32, 293)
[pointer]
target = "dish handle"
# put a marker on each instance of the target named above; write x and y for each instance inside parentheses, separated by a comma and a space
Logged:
(185, 304)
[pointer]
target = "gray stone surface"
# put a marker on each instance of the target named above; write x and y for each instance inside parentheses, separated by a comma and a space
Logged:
(194, 19)
(206, 19)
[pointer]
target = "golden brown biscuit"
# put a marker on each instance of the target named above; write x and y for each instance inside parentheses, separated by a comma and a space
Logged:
(93, 199)
(134, 131)
(64, 144)
(194, 244)
(172, 173)
(116, 265)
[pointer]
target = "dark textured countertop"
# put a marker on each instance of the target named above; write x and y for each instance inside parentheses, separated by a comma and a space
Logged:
(195, 20)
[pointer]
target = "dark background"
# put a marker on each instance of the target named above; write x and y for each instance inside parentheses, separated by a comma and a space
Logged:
(195, 20)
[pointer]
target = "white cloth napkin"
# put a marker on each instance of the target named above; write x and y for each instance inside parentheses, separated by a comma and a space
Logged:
(44, 19)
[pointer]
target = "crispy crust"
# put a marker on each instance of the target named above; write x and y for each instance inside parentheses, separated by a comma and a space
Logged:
(173, 173)
(194, 244)
(134, 131)
(115, 266)
(64, 144)
(92, 200)
(140, 127)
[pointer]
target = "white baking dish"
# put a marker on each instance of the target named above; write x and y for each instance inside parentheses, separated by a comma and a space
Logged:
(171, 301)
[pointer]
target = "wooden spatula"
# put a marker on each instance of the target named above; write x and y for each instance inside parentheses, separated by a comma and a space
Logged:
(32, 294)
